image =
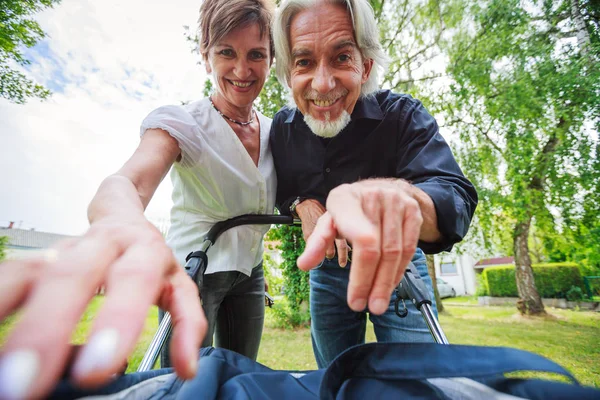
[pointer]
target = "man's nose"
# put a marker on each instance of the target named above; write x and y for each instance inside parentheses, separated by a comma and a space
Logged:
(323, 80)
(242, 69)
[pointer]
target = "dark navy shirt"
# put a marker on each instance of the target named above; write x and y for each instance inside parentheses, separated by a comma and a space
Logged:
(389, 135)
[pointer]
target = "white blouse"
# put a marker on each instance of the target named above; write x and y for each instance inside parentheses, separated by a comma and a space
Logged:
(216, 179)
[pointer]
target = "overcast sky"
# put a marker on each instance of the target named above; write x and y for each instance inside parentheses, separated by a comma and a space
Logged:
(109, 63)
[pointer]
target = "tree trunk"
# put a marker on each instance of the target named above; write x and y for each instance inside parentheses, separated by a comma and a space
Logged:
(530, 302)
(583, 36)
(431, 270)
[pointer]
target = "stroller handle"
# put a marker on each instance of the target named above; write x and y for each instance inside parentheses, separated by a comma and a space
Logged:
(412, 287)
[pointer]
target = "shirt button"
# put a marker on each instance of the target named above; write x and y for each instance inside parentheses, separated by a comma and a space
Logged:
(328, 170)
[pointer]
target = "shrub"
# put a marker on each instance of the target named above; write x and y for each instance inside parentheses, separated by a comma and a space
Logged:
(575, 294)
(482, 286)
(275, 282)
(552, 280)
(286, 317)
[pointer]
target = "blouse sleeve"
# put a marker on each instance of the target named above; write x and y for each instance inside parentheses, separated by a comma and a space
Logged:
(180, 124)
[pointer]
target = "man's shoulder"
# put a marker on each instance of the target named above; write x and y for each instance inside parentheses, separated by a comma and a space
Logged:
(283, 115)
(390, 102)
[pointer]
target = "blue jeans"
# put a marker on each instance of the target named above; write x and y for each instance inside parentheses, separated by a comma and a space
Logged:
(234, 305)
(335, 327)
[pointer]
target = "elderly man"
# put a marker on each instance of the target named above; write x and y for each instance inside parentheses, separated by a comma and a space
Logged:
(362, 168)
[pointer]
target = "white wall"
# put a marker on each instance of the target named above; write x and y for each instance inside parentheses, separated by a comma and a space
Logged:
(463, 280)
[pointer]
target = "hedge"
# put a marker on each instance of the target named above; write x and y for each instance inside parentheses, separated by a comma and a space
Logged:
(552, 280)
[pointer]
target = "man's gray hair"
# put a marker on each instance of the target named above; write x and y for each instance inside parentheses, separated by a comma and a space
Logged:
(365, 30)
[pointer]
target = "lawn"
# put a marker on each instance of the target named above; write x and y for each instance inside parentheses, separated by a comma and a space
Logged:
(569, 338)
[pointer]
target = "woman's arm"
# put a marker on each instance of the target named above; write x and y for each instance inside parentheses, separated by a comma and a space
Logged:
(121, 250)
(126, 194)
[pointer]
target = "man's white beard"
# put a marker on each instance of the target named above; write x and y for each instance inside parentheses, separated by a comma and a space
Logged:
(327, 128)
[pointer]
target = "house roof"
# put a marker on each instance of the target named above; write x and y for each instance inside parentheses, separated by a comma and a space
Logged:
(488, 262)
(30, 238)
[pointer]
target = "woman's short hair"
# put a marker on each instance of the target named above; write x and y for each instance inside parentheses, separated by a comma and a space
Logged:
(219, 17)
(365, 30)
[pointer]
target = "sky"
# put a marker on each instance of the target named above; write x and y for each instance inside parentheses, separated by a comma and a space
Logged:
(108, 63)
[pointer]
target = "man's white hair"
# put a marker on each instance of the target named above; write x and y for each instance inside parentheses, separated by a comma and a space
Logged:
(365, 31)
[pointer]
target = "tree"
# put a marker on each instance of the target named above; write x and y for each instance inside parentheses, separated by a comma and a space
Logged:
(18, 30)
(436, 293)
(526, 89)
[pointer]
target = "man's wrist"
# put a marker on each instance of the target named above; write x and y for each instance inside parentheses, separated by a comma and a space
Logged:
(308, 204)
(294, 205)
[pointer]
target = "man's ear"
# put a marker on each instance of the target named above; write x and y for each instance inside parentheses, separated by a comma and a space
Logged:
(367, 66)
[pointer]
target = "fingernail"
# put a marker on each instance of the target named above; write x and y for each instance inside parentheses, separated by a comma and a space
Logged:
(358, 304)
(343, 264)
(18, 370)
(378, 306)
(98, 353)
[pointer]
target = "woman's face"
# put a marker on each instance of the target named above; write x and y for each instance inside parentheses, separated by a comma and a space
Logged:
(239, 64)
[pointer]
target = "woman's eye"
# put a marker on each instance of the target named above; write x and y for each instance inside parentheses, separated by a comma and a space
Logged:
(226, 52)
(302, 63)
(257, 55)
(343, 57)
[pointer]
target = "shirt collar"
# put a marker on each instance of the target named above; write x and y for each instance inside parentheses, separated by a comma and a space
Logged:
(366, 107)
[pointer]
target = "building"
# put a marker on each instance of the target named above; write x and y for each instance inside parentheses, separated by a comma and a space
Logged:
(24, 243)
(461, 270)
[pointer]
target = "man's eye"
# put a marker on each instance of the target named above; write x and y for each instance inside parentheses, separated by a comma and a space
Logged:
(343, 58)
(302, 63)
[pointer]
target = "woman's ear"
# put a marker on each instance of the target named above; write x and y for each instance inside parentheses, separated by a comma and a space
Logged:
(207, 64)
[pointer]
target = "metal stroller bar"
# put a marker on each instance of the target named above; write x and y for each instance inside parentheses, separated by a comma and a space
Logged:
(411, 287)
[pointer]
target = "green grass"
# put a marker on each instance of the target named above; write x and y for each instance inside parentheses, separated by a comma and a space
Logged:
(569, 338)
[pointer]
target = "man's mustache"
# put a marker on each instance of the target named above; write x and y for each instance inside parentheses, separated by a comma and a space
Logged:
(331, 96)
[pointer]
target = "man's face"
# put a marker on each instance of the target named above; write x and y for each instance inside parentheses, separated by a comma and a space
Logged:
(327, 70)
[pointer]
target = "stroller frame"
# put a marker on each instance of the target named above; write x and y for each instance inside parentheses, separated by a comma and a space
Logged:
(410, 288)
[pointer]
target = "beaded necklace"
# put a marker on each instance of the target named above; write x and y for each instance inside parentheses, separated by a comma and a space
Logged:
(231, 119)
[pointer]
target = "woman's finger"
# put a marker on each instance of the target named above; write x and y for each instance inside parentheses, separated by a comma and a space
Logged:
(134, 283)
(39, 344)
(189, 324)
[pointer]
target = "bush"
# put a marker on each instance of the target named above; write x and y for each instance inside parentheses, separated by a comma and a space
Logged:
(286, 317)
(552, 280)
(275, 282)
(482, 286)
(575, 294)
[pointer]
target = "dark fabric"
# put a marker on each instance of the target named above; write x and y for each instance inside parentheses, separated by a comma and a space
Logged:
(234, 306)
(383, 370)
(390, 135)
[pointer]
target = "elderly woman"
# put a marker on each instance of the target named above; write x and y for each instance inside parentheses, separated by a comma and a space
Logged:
(218, 152)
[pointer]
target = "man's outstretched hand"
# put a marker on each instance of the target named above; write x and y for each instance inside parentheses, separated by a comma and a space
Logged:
(382, 219)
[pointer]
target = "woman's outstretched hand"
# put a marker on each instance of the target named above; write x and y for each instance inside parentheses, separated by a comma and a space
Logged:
(137, 268)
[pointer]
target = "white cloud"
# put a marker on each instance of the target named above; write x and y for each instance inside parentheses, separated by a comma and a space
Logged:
(109, 64)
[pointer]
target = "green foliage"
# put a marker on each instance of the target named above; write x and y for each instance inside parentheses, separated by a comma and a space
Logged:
(18, 30)
(524, 99)
(208, 88)
(482, 286)
(287, 317)
(553, 280)
(3, 243)
(575, 294)
(295, 281)
(273, 96)
(275, 282)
